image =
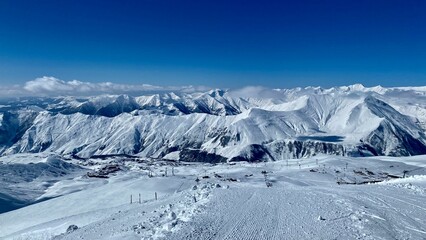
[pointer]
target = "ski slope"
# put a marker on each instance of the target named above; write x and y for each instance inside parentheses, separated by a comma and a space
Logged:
(367, 212)
(232, 201)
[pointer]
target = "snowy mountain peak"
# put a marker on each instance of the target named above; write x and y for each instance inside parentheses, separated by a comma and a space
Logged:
(216, 93)
(356, 87)
(250, 124)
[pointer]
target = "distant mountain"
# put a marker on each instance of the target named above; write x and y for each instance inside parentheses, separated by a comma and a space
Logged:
(222, 125)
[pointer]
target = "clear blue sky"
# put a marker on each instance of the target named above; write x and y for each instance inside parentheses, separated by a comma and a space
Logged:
(218, 43)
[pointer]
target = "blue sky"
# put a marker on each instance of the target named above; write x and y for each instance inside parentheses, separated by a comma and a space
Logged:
(225, 44)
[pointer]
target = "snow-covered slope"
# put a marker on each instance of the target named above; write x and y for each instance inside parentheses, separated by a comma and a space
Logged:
(25, 178)
(222, 125)
(325, 197)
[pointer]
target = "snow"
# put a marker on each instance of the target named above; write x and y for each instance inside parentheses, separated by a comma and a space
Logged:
(172, 156)
(25, 181)
(221, 122)
(54, 152)
(232, 201)
(294, 105)
(25, 158)
(415, 183)
(95, 197)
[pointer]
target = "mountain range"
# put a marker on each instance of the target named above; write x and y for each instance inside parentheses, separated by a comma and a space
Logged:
(221, 125)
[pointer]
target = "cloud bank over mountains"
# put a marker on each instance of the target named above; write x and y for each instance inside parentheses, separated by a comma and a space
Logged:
(50, 87)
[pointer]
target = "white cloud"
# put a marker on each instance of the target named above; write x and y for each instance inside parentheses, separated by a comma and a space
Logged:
(11, 91)
(51, 86)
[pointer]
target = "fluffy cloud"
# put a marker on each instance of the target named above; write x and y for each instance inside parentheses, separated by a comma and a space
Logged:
(11, 91)
(51, 86)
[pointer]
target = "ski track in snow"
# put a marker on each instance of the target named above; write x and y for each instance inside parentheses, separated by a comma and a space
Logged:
(367, 212)
(266, 213)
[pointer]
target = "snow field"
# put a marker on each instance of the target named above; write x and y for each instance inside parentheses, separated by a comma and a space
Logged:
(232, 201)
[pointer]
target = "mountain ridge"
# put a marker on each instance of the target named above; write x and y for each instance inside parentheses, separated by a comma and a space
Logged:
(219, 125)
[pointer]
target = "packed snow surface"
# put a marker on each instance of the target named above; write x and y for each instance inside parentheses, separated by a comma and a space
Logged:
(323, 197)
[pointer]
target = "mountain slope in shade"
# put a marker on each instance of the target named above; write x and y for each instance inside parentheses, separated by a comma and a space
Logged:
(222, 125)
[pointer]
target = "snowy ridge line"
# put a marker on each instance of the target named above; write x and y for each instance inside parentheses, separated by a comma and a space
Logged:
(221, 125)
